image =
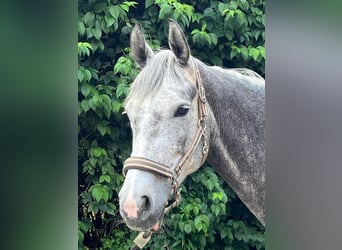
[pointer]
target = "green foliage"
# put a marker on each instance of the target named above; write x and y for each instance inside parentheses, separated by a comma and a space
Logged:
(210, 215)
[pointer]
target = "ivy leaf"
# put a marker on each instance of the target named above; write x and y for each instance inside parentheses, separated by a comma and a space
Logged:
(244, 53)
(87, 75)
(104, 178)
(213, 38)
(204, 26)
(208, 12)
(85, 89)
(230, 21)
(105, 195)
(254, 53)
(148, 3)
(80, 75)
(97, 30)
(92, 104)
(164, 12)
(230, 35)
(217, 196)
(89, 19)
(198, 223)
(85, 105)
(262, 51)
(122, 90)
(100, 7)
(233, 5)
(195, 210)
(107, 112)
(216, 210)
(92, 161)
(257, 34)
(111, 208)
(115, 11)
(102, 129)
(187, 228)
(81, 28)
(222, 7)
(181, 225)
(97, 192)
(109, 20)
(116, 106)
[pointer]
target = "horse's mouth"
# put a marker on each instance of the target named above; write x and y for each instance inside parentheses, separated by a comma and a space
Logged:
(152, 224)
(157, 226)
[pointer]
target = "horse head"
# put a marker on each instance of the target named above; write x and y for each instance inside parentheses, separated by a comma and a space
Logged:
(167, 111)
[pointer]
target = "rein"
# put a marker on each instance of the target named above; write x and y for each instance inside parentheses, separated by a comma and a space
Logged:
(165, 171)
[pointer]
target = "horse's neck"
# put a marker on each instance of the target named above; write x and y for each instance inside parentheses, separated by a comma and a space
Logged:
(236, 136)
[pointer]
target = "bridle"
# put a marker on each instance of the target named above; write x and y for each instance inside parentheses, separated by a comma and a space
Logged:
(165, 171)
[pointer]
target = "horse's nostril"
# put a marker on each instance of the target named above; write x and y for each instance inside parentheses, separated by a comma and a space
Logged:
(146, 207)
(146, 204)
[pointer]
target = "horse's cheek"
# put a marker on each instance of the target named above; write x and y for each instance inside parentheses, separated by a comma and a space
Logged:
(181, 144)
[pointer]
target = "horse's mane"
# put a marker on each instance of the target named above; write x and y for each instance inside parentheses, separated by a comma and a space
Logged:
(247, 72)
(149, 80)
(165, 63)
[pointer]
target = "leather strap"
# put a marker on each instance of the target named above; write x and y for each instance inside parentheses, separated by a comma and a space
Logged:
(147, 165)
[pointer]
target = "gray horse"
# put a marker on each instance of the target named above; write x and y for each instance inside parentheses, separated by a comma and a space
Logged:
(183, 112)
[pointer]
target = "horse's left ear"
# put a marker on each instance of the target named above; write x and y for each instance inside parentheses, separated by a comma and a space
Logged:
(178, 42)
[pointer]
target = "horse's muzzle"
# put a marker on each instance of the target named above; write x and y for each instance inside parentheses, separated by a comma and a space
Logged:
(140, 215)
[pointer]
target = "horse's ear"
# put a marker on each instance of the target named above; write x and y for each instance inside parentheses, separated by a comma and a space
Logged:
(178, 42)
(141, 51)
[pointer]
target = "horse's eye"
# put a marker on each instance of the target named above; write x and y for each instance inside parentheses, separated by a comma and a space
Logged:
(181, 111)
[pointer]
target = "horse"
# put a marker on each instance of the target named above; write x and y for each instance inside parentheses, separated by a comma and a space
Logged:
(183, 112)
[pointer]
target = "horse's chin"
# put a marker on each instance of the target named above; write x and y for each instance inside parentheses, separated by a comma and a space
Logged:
(154, 228)
(151, 224)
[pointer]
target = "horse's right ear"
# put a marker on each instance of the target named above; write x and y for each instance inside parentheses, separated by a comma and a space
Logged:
(178, 42)
(141, 51)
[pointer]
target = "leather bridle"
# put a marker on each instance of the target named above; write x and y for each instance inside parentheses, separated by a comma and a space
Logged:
(165, 171)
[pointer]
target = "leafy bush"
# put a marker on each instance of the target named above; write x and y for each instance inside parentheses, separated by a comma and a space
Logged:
(210, 215)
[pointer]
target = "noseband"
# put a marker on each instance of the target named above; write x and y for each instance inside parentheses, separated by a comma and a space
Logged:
(165, 171)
